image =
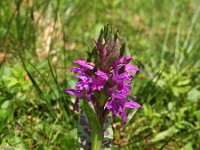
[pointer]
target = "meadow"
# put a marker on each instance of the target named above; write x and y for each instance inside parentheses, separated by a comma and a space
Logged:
(39, 41)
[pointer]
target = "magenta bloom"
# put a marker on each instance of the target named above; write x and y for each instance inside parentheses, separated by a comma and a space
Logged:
(116, 83)
(86, 84)
(105, 78)
(104, 83)
(120, 87)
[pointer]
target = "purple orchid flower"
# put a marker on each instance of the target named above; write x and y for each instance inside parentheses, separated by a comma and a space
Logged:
(106, 82)
(116, 82)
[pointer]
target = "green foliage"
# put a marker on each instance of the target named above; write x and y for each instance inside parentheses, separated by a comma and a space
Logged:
(39, 41)
(95, 126)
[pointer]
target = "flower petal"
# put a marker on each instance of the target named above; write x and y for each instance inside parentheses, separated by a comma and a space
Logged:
(76, 70)
(84, 64)
(122, 60)
(131, 68)
(102, 74)
(131, 104)
(75, 92)
(122, 113)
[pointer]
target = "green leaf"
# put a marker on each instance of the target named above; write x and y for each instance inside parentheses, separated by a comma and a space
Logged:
(122, 49)
(165, 134)
(96, 129)
(5, 113)
(194, 94)
(188, 146)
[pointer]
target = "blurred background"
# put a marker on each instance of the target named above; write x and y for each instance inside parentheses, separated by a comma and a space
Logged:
(40, 39)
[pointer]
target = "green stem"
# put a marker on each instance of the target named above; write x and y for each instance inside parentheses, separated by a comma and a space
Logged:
(95, 126)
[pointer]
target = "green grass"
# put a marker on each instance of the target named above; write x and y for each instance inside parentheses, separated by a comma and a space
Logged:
(40, 39)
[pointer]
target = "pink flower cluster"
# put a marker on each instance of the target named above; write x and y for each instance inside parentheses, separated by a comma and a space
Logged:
(115, 84)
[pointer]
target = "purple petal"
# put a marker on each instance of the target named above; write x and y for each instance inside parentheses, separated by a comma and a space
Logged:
(113, 106)
(122, 113)
(82, 86)
(84, 78)
(75, 92)
(123, 88)
(131, 68)
(122, 77)
(131, 104)
(101, 74)
(123, 60)
(109, 105)
(76, 70)
(84, 64)
(98, 84)
(119, 95)
(90, 97)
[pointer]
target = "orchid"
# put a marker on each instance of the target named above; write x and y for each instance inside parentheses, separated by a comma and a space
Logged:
(116, 83)
(104, 80)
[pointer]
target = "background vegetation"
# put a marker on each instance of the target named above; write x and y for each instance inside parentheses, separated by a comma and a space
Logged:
(40, 39)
